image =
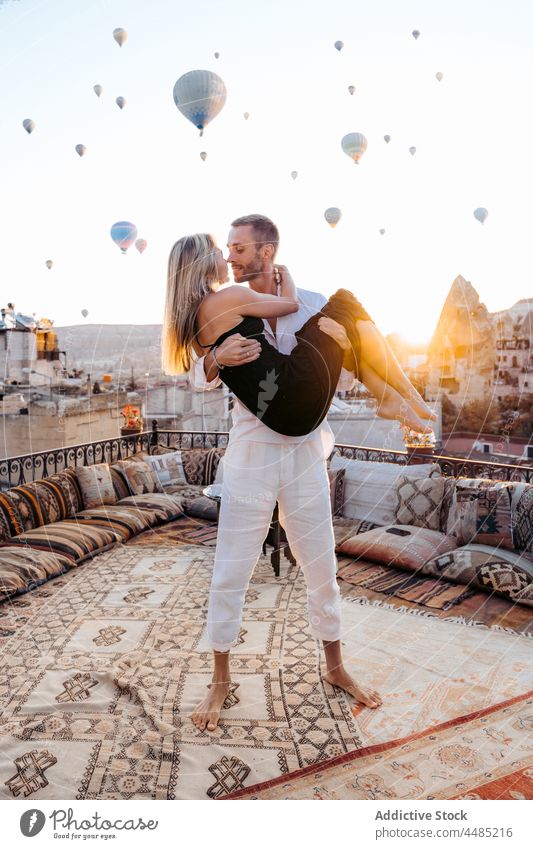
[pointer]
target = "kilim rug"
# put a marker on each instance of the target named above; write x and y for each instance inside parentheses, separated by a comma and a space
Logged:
(484, 755)
(438, 594)
(106, 662)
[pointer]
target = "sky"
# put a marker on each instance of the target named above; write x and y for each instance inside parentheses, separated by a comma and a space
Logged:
(472, 133)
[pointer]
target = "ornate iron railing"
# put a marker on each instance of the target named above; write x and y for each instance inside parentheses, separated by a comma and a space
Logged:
(28, 467)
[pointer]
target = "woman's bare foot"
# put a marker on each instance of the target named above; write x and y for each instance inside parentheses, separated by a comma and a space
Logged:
(366, 695)
(207, 713)
(389, 408)
(420, 407)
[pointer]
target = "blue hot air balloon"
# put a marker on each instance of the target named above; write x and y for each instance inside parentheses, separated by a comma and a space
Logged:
(124, 234)
(200, 95)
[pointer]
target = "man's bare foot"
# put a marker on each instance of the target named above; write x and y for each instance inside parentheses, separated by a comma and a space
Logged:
(207, 713)
(366, 695)
(389, 408)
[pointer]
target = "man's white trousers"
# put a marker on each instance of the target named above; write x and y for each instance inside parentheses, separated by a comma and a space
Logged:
(256, 475)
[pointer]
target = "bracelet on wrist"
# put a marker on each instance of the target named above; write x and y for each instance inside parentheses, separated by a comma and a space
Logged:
(218, 365)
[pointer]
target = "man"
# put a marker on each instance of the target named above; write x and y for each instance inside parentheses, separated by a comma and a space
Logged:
(262, 467)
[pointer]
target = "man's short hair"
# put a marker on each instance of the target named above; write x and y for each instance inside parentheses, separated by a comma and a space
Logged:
(265, 231)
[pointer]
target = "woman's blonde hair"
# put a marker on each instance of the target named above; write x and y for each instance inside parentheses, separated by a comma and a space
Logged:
(191, 271)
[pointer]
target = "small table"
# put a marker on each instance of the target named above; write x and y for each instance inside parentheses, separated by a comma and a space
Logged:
(274, 536)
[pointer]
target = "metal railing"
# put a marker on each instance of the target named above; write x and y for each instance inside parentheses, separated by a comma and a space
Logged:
(28, 467)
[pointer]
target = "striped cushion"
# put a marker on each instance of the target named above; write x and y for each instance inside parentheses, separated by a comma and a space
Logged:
(123, 519)
(158, 507)
(77, 540)
(200, 464)
(120, 484)
(23, 569)
(38, 503)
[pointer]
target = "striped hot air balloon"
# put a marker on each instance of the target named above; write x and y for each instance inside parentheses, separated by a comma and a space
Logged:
(124, 234)
(200, 96)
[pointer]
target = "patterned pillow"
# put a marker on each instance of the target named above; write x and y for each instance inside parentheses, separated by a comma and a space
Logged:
(201, 508)
(96, 485)
(139, 476)
(10, 520)
(505, 572)
(419, 501)
(397, 545)
(168, 468)
(336, 489)
(369, 487)
(447, 501)
(120, 484)
(20, 513)
(481, 513)
(522, 517)
(200, 464)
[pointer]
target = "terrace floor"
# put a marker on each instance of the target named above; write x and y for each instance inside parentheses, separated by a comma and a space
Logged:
(103, 666)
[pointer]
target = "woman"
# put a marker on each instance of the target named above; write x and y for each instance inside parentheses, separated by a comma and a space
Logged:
(291, 394)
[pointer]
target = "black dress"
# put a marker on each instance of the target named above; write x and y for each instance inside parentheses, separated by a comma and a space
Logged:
(292, 393)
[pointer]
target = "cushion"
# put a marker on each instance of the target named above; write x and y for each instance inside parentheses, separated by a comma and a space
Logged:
(125, 520)
(139, 476)
(157, 507)
(10, 520)
(201, 507)
(447, 500)
(368, 487)
(23, 569)
(168, 468)
(419, 501)
(75, 540)
(410, 548)
(481, 513)
(344, 528)
(120, 484)
(96, 485)
(200, 464)
(507, 573)
(336, 490)
(522, 516)
(21, 511)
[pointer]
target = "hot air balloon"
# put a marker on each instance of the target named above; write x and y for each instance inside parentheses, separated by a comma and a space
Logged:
(294, 174)
(382, 231)
(199, 96)
(203, 156)
(387, 138)
(354, 145)
(49, 264)
(217, 55)
(120, 35)
(339, 45)
(28, 125)
(98, 89)
(140, 244)
(81, 150)
(85, 313)
(121, 102)
(333, 215)
(481, 214)
(439, 75)
(415, 33)
(124, 234)
(246, 116)
(351, 89)
(412, 151)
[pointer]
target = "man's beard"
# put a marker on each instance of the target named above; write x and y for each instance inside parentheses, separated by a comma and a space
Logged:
(251, 270)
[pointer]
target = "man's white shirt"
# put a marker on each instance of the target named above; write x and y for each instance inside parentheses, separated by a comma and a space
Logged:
(246, 426)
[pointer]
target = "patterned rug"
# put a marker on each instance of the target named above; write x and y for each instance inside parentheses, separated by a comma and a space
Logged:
(438, 594)
(101, 673)
(182, 530)
(485, 755)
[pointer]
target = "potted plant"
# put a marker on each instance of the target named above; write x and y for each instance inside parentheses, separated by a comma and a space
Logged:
(421, 444)
(133, 422)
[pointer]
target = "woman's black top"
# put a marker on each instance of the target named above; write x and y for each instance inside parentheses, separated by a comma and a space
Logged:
(292, 393)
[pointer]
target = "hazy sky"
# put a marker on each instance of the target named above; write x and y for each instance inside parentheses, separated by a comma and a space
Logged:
(472, 132)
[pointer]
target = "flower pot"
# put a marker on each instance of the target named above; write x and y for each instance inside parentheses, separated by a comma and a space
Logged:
(125, 431)
(422, 451)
